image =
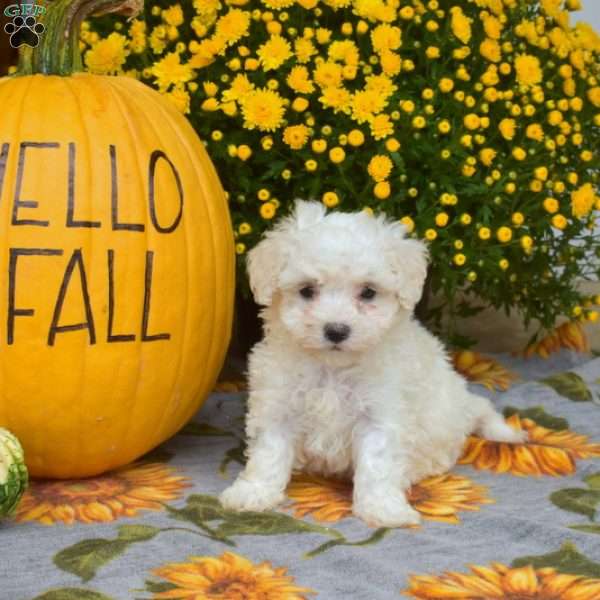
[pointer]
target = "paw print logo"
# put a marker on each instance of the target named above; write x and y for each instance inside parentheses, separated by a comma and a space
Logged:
(24, 31)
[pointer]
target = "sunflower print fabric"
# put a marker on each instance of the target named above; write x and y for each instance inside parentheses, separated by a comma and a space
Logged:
(509, 522)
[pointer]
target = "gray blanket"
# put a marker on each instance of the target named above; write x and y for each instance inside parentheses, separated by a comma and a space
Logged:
(510, 522)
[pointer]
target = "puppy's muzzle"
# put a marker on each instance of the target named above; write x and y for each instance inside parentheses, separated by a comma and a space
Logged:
(336, 332)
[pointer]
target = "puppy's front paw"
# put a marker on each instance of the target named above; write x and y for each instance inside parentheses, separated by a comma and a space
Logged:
(246, 495)
(386, 512)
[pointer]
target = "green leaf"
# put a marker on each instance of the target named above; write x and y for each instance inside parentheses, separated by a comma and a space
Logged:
(566, 560)
(570, 385)
(593, 481)
(269, 523)
(577, 500)
(199, 509)
(137, 533)
(204, 430)
(587, 528)
(156, 587)
(86, 557)
(72, 594)
(236, 454)
(377, 536)
(540, 416)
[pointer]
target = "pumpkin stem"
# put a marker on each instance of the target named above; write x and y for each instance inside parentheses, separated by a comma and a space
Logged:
(58, 50)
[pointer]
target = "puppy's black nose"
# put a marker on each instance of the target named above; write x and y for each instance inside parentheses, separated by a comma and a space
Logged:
(336, 332)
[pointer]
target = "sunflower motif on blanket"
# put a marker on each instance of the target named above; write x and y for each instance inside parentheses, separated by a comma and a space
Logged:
(499, 582)
(546, 452)
(227, 577)
(437, 498)
(120, 493)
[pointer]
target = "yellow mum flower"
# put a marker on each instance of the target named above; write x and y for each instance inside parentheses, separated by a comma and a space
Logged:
(555, 118)
(504, 234)
(519, 154)
(240, 86)
(541, 173)
(382, 190)
(277, 4)
(300, 104)
(233, 26)
(107, 56)
(559, 221)
(298, 79)
(528, 69)
(535, 132)
(432, 52)
(444, 126)
(344, 50)
(267, 210)
(582, 201)
(459, 259)
(526, 243)
(408, 223)
(356, 138)
(366, 104)
(460, 24)
(391, 63)
(380, 167)
(244, 152)
(551, 205)
(430, 234)
(381, 84)
(446, 84)
(492, 27)
(381, 126)
(484, 233)
(169, 71)
(593, 95)
(490, 49)
(386, 37)
(337, 98)
(296, 136)
(173, 15)
(330, 199)
(487, 156)
(337, 155)
(319, 146)
(517, 218)
(273, 53)
(328, 74)
(441, 219)
(262, 109)
(304, 50)
(180, 98)
(472, 121)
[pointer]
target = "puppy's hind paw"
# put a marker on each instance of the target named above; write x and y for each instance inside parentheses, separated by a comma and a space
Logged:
(250, 496)
(389, 513)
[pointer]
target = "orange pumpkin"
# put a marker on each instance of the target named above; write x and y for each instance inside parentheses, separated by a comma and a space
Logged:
(116, 243)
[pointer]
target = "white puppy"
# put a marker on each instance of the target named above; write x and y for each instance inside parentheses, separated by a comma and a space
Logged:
(346, 382)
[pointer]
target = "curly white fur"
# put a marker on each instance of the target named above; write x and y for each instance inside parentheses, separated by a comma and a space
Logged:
(382, 405)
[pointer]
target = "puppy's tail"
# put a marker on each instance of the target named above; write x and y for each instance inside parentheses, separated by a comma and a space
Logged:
(490, 425)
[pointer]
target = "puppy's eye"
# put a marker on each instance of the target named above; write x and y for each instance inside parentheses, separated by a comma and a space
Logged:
(367, 293)
(307, 292)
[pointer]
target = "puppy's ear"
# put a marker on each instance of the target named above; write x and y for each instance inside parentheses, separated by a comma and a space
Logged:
(268, 258)
(408, 262)
(306, 214)
(265, 262)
